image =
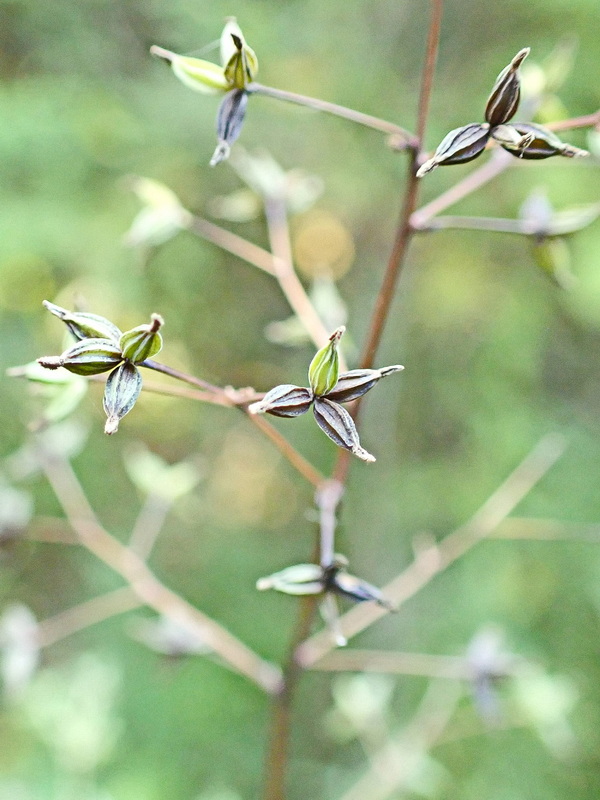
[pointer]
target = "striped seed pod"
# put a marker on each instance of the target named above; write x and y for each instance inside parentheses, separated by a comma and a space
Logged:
(286, 400)
(230, 119)
(142, 342)
(542, 144)
(337, 423)
(324, 369)
(503, 101)
(122, 389)
(459, 146)
(83, 325)
(87, 357)
(352, 385)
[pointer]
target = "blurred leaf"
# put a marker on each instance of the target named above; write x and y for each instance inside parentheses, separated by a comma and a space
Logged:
(153, 476)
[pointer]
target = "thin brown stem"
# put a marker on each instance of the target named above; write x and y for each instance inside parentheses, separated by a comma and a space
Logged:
(280, 723)
(390, 128)
(148, 525)
(435, 558)
(179, 375)
(586, 121)
(86, 614)
(147, 588)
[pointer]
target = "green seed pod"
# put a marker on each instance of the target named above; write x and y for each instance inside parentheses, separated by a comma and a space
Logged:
(337, 580)
(241, 64)
(230, 119)
(83, 325)
(286, 400)
(122, 389)
(337, 423)
(300, 579)
(504, 99)
(142, 342)
(542, 144)
(357, 382)
(324, 369)
(87, 357)
(459, 146)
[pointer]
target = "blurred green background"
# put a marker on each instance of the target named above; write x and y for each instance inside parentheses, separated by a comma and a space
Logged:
(496, 356)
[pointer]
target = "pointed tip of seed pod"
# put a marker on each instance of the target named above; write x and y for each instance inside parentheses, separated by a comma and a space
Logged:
(156, 323)
(256, 408)
(385, 371)
(221, 153)
(337, 334)
(520, 57)
(160, 52)
(570, 151)
(427, 167)
(112, 425)
(262, 584)
(50, 362)
(361, 453)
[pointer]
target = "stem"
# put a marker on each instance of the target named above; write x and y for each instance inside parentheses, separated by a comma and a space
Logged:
(328, 498)
(395, 663)
(436, 558)
(144, 584)
(182, 376)
(339, 111)
(285, 273)
(280, 723)
(84, 615)
(499, 161)
(494, 224)
(234, 244)
(587, 121)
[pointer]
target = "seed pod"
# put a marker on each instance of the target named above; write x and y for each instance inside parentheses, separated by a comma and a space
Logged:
(122, 389)
(337, 423)
(286, 400)
(339, 581)
(87, 357)
(142, 342)
(508, 135)
(357, 382)
(230, 119)
(543, 144)
(85, 326)
(324, 369)
(202, 76)
(504, 99)
(299, 580)
(459, 146)
(242, 65)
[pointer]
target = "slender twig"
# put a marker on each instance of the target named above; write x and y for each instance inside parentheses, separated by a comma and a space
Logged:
(587, 121)
(232, 243)
(300, 303)
(148, 525)
(144, 583)
(494, 224)
(84, 615)
(179, 375)
(395, 663)
(499, 161)
(546, 530)
(369, 121)
(436, 558)
(328, 498)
